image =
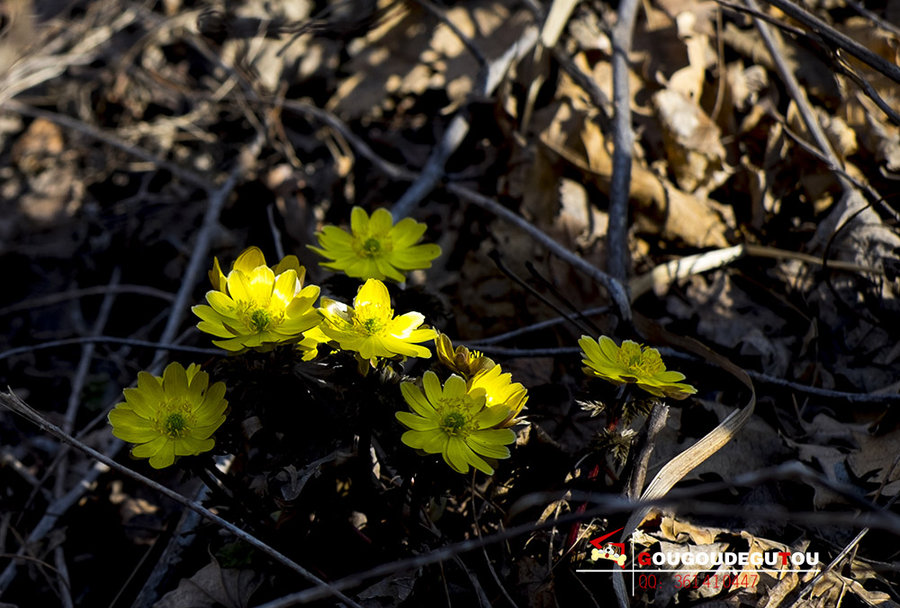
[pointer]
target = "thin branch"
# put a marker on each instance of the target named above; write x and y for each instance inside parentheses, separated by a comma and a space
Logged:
(834, 37)
(643, 449)
(873, 397)
(68, 122)
(882, 23)
(108, 340)
(441, 15)
(200, 252)
(521, 331)
(616, 289)
(84, 365)
(623, 143)
(433, 172)
(74, 294)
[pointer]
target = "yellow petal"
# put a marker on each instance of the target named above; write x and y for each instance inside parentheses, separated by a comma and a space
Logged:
(249, 259)
(285, 287)
(175, 381)
(432, 385)
(416, 400)
(374, 292)
(147, 450)
(407, 232)
(151, 386)
(381, 222)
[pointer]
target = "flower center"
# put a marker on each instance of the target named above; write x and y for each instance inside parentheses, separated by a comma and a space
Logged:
(260, 319)
(453, 423)
(175, 425)
(641, 362)
(371, 248)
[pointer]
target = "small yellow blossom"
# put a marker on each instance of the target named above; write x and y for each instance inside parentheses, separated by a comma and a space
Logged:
(377, 248)
(169, 416)
(455, 423)
(370, 327)
(256, 306)
(499, 389)
(461, 360)
(632, 363)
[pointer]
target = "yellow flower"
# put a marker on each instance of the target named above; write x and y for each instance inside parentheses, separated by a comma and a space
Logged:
(632, 363)
(454, 422)
(376, 249)
(256, 306)
(499, 389)
(461, 360)
(249, 259)
(170, 416)
(370, 327)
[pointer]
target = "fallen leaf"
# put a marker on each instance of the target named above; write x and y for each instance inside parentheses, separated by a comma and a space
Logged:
(213, 586)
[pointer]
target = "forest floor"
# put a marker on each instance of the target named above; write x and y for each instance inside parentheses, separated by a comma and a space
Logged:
(754, 243)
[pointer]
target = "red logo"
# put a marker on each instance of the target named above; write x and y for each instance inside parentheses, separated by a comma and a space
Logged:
(611, 551)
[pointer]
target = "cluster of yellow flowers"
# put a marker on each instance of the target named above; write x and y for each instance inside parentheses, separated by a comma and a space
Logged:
(260, 307)
(466, 419)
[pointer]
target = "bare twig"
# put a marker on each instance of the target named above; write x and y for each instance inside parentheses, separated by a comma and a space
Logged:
(84, 366)
(834, 37)
(490, 77)
(521, 331)
(200, 252)
(882, 23)
(12, 402)
(772, 40)
(644, 449)
(487, 559)
(108, 340)
(68, 122)
(100, 290)
(623, 143)
(87, 353)
(441, 15)
(616, 289)
(873, 397)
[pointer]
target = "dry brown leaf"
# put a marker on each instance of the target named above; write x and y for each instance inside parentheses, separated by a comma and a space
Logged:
(660, 207)
(276, 60)
(535, 581)
(410, 52)
(692, 142)
(213, 586)
(389, 592)
(878, 455)
(39, 146)
(672, 528)
(729, 316)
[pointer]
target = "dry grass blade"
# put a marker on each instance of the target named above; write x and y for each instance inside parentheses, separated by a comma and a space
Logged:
(685, 462)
